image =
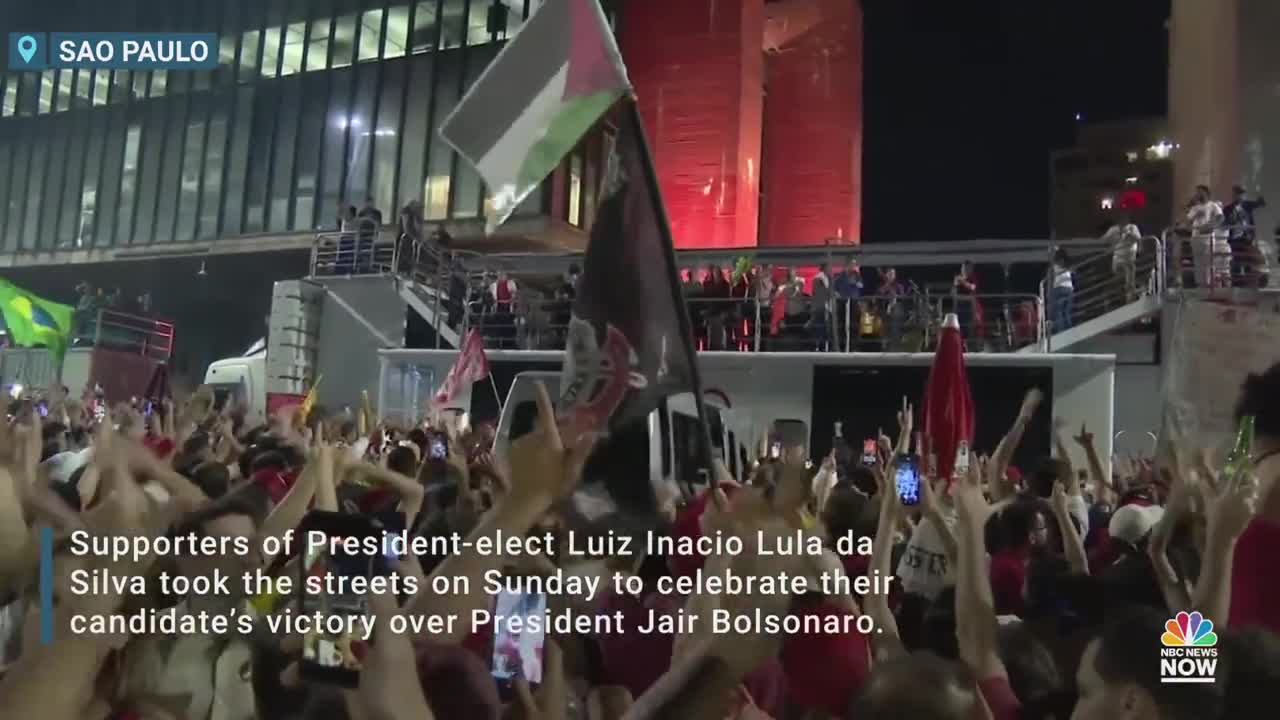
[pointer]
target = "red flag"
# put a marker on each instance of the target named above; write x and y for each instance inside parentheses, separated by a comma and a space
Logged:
(472, 365)
(948, 403)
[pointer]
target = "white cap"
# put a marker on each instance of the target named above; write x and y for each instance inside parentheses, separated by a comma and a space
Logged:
(951, 321)
(1131, 523)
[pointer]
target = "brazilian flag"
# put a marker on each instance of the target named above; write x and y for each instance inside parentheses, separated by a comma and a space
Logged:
(33, 321)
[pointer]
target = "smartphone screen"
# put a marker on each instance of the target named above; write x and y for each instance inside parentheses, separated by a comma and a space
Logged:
(962, 460)
(439, 448)
(775, 450)
(907, 480)
(869, 456)
(330, 656)
(517, 654)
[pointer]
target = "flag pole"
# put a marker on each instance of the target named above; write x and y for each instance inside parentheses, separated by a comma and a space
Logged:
(677, 291)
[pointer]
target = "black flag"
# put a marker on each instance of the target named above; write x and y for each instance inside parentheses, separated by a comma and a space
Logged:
(628, 342)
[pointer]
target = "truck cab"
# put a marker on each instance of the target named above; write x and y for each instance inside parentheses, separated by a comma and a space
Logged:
(242, 380)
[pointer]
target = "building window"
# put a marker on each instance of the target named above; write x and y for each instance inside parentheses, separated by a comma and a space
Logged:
(159, 79)
(575, 189)
(64, 90)
(46, 92)
(318, 45)
(370, 35)
(10, 103)
(453, 24)
(249, 56)
(294, 45)
(436, 191)
(140, 84)
(101, 86)
(344, 41)
(423, 38)
(84, 89)
(396, 41)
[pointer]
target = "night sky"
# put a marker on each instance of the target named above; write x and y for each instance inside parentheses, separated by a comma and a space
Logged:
(966, 99)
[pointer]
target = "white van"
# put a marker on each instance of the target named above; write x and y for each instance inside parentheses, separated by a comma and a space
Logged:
(241, 379)
(636, 462)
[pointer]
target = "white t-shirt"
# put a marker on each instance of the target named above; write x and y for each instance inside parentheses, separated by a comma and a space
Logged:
(1124, 242)
(924, 569)
(1061, 277)
(1206, 217)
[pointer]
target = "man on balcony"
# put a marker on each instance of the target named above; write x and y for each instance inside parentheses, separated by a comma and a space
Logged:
(1210, 253)
(1248, 265)
(1123, 238)
(848, 289)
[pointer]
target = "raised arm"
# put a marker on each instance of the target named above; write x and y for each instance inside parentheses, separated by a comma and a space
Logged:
(1072, 545)
(1228, 511)
(547, 469)
(998, 466)
(1097, 475)
(975, 605)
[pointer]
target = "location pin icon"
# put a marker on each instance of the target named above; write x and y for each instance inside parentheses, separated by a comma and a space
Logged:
(27, 48)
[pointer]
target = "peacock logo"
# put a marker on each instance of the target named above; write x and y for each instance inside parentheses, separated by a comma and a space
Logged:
(1189, 630)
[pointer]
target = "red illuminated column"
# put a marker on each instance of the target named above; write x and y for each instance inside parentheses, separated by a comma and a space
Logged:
(812, 179)
(697, 69)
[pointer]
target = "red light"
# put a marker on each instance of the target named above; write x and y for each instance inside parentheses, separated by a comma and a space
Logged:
(1132, 200)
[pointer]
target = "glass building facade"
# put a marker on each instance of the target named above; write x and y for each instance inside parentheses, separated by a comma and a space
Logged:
(314, 103)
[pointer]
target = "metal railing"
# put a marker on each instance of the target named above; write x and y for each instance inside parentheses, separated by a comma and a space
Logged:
(907, 323)
(359, 252)
(1103, 281)
(125, 332)
(454, 286)
(1227, 257)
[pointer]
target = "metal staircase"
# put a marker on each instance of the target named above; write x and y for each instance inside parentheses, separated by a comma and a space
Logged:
(352, 267)
(1105, 299)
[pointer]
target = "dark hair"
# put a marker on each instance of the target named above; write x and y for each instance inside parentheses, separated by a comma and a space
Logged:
(1044, 474)
(1255, 672)
(863, 479)
(268, 460)
(402, 460)
(244, 502)
(212, 478)
(893, 692)
(1128, 653)
(1204, 188)
(1033, 673)
(938, 625)
(1260, 397)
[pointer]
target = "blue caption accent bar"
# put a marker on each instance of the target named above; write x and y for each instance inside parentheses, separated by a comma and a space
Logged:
(133, 51)
(46, 585)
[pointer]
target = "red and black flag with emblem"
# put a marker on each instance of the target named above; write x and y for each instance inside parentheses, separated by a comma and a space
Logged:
(628, 343)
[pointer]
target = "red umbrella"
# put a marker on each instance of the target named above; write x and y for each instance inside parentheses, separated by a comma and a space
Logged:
(948, 404)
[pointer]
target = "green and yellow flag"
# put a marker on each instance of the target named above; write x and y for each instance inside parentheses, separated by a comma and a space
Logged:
(33, 321)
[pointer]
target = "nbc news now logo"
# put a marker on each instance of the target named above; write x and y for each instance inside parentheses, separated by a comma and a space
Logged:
(1190, 653)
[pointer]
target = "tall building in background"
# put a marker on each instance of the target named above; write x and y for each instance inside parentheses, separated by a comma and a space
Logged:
(212, 184)
(753, 109)
(1115, 169)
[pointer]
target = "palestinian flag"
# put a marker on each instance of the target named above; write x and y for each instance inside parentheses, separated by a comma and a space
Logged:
(537, 98)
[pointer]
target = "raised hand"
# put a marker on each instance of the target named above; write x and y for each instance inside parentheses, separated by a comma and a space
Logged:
(1232, 506)
(1030, 403)
(1085, 438)
(549, 465)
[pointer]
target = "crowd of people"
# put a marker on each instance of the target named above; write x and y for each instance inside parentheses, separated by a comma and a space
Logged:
(1223, 240)
(1018, 593)
(92, 301)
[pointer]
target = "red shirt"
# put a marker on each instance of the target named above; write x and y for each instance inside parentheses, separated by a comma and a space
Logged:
(999, 696)
(1008, 573)
(825, 671)
(1255, 584)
